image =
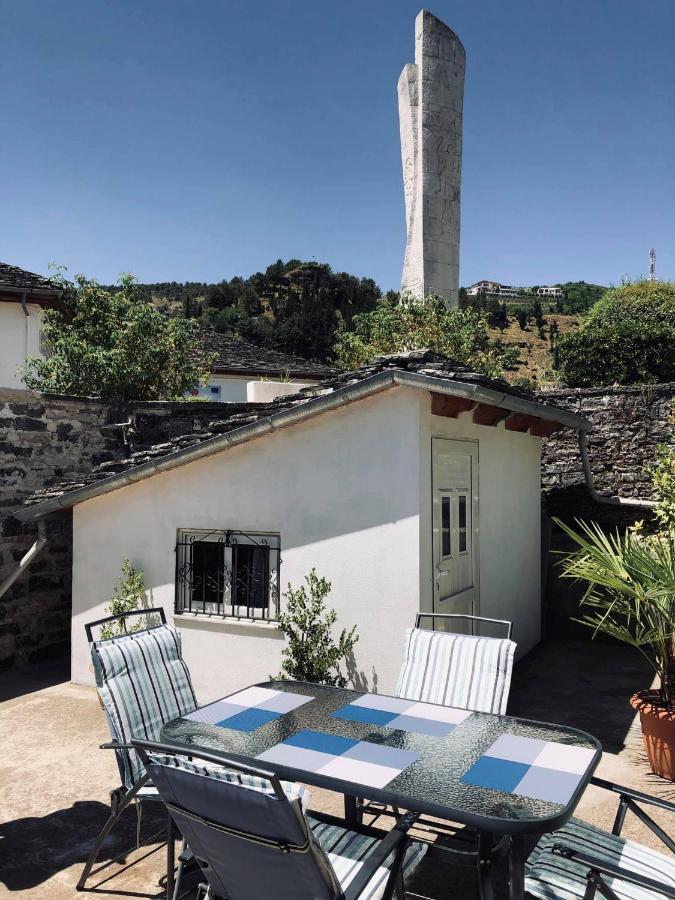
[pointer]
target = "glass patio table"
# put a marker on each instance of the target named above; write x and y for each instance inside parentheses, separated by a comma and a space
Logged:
(496, 774)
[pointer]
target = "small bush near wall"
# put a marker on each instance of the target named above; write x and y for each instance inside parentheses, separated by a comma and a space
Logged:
(312, 654)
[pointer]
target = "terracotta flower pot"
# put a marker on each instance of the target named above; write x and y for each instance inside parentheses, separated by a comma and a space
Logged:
(658, 733)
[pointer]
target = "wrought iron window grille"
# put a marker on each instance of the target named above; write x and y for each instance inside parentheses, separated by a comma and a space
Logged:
(228, 574)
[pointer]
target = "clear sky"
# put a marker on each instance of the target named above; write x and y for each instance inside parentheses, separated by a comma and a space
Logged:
(196, 141)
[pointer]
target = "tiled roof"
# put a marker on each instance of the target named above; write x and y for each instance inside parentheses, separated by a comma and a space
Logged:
(237, 355)
(14, 277)
(420, 362)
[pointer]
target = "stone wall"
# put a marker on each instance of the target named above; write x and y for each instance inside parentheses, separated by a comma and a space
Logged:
(46, 439)
(628, 423)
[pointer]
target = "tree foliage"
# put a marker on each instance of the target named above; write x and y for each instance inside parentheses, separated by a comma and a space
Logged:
(128, 595)
(116, 346)
(413, 324)
(627, 337)
(312, 653)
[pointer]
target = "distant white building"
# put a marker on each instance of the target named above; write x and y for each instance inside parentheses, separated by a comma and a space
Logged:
(494, 289)
(553, 291)
(483, 287)
(23, 298)
(244, 372)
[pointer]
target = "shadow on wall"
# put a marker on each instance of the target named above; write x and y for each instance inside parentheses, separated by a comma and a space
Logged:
(582, 684)
(561, 596)
(359, 680)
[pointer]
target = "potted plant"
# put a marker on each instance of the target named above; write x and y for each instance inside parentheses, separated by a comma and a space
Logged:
(630, 596)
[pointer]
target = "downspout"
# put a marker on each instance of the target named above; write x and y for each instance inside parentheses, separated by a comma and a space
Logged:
(588, 478)
(24, 306)
(28, 559)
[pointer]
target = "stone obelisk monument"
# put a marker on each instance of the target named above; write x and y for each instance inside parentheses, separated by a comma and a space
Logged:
(430, 97)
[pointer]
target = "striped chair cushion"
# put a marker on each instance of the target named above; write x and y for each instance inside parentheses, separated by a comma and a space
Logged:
(456, 670)
(292, 789)
(143, 683)
(347, 850)
(551, 877)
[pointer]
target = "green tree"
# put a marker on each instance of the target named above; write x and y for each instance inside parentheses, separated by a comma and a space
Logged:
(414, 324)
(128, 595)
(312, 654)
(116, 346)
(627, 337)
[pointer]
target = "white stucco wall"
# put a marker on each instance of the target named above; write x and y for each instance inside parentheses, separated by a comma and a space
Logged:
(235, 388)
(342, 490)
(509, 485)
(19, 338)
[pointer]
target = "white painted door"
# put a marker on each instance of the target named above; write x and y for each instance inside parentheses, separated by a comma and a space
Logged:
(454, 467)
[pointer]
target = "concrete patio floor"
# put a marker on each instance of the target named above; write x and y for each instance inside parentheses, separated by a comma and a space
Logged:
(55, 782)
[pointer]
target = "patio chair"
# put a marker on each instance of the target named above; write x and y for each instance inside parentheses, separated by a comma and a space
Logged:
(582, 861)
(252, 842)
(466, 671)
(143, 683)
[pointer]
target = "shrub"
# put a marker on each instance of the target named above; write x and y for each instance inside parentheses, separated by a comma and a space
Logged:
(128, 595)
(396, 326)
(312, 654)
(116, 346)
(627, 337)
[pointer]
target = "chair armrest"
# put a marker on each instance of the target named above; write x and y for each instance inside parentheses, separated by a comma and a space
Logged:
(638, 796)
(388, 845)
(603, 867)
(115, 745)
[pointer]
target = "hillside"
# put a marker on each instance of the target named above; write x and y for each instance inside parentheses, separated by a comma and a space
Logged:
(297, 307)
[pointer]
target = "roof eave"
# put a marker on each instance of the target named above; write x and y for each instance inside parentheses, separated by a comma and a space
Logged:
(305, 410)
(272, 373)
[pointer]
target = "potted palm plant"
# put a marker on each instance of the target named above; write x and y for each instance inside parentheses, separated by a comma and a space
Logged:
(630, 596)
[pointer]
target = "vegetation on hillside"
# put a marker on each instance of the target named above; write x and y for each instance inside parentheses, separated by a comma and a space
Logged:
(409, 323)
(628, 337)
(115, 346)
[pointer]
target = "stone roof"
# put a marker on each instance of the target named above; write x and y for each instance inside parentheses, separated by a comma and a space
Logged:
(425, 363)
(238, 356)
(19, 279)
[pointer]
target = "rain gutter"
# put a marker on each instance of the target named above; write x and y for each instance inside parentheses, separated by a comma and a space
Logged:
(315, 406)
(590, 486)
(28, 559)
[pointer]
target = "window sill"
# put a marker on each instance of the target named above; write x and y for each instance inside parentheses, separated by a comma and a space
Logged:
(198, 620)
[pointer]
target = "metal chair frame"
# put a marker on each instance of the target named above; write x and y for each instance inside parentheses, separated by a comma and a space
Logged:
(599, 869)
(434, 615)
(394, 841)
(484, 850)
(122, 797)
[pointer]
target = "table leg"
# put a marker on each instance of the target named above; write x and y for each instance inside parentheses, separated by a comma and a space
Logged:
(486, 889)
(517, 868)
(170, 858)
(352, 815)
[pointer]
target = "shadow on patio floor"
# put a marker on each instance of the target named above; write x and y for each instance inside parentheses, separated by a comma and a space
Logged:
(63, 839)
(583, 684)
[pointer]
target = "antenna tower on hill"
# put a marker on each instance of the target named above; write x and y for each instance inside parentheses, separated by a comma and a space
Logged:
(652, 264)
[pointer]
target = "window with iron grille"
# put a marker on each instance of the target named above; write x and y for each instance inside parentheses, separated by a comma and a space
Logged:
(228, 574)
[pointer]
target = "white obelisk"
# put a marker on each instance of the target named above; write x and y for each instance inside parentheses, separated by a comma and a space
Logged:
(430, 99)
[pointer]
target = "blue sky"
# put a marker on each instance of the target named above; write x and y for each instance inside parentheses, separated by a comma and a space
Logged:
(196, 141)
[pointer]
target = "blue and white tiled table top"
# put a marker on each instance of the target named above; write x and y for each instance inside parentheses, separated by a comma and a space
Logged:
(493, 772)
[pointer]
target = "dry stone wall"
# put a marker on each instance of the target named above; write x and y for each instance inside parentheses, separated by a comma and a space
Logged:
(44, 440)
(628, 424)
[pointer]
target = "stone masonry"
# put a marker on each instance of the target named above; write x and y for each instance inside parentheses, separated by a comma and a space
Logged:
(430, 99)
(45, 440)
(628, 424)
